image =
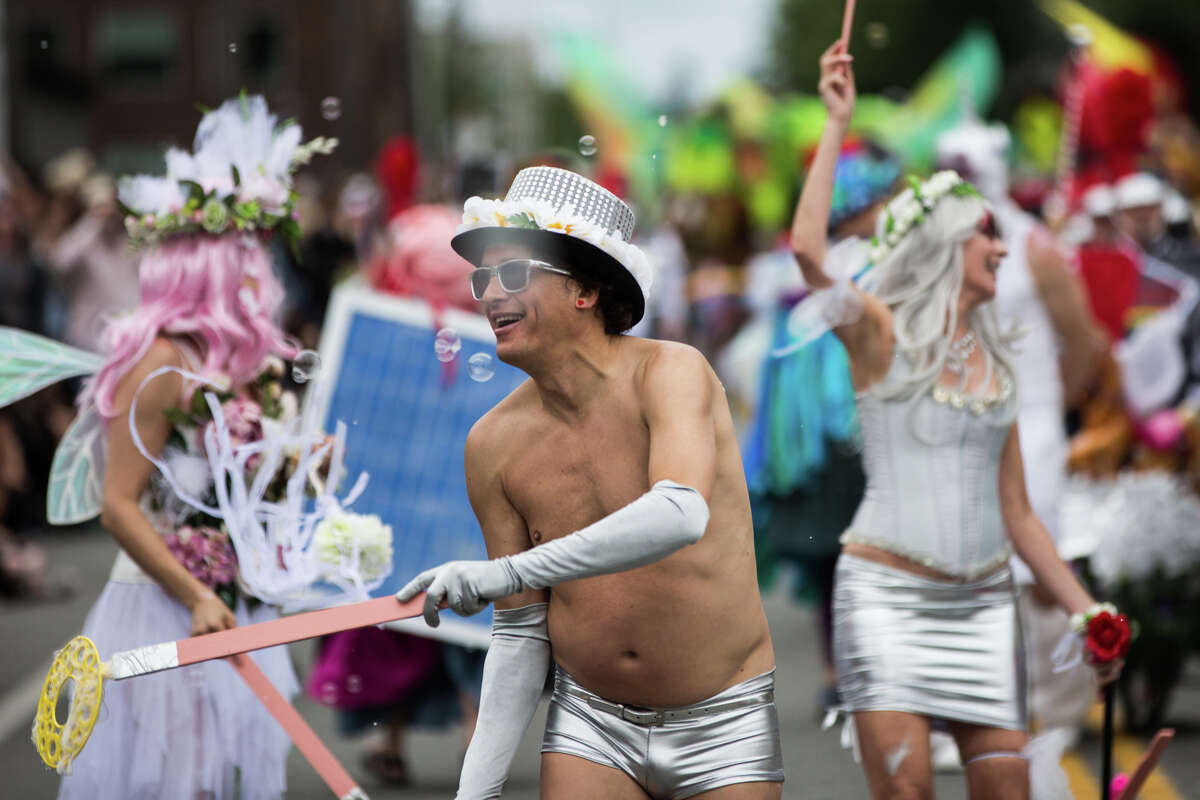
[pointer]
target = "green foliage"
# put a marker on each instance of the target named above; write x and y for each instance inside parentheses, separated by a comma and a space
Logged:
(893, 43)
(247, 211)
(521, 220)
(965, 189)
(215, 216)
(915, 184)
(194, 190)
(198, 405)
(289, 229)
(178, 417)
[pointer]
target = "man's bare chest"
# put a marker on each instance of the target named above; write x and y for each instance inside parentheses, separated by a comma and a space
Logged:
(565, 477)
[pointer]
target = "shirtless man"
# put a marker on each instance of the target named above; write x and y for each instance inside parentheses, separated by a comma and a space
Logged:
(610, 491)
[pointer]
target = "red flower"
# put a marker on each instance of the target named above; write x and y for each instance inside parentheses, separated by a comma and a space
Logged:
(1108, 637)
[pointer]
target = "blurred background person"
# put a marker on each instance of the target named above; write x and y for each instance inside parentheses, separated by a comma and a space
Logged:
(94, 263)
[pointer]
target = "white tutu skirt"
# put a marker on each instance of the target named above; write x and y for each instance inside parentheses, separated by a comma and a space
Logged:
(193, 733)
(944, 650)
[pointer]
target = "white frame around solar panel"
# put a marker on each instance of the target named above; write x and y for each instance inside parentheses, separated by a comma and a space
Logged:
(355, 300)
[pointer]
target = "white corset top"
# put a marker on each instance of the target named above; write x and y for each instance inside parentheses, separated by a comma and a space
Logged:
(932, 467)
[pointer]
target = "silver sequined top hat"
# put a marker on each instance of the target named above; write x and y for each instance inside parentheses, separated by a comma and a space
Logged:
(575, 219)
(590, 200)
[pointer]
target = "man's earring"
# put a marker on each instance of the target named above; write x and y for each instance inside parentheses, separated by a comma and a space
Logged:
(580, 303)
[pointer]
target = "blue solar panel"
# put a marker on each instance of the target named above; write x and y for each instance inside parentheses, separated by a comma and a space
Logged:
(407, 416)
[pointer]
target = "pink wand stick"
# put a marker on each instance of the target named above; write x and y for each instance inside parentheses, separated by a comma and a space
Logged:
(306, 740)
(847, 21)
(169, 655)
(1147, 764)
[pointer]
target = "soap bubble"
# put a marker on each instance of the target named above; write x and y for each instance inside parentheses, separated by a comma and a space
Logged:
(878, 35)
(329, 693)
(305, 366)
(331, 108)
(662, 120)
(446, 344)
(480, 367)
(587, 145)
(233, 47)
(353, 684)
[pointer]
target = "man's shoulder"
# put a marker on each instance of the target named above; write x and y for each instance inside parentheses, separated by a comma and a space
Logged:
(665, 359)
(502, 422)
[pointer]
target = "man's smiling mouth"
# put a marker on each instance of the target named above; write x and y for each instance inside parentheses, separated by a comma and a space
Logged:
(500, 321)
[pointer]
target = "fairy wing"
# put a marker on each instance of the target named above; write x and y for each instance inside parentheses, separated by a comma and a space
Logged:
(29, 362)
(77, 472)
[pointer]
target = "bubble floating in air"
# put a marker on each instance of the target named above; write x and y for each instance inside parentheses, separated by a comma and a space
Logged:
(331, 108)
(446, 344)
(878, 35)
(481, 368)
(233, 47)
(353, 684)
(305, 366)
(662, 120)
(587, 145)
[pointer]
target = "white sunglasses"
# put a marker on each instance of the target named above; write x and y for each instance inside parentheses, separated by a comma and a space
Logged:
(513, 275)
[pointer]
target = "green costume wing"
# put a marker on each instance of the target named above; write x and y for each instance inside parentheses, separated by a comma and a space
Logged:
(77, 473)
(29, 362)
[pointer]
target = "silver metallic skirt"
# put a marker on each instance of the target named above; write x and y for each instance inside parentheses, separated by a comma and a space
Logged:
(903, 642)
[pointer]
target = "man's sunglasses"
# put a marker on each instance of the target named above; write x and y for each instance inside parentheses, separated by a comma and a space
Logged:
(513, 275)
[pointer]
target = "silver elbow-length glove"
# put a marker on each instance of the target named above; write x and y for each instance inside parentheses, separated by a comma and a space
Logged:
(513, 676)
(666, 518)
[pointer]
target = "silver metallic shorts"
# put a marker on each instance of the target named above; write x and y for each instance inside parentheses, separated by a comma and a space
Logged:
(672, 753)
(903, 642)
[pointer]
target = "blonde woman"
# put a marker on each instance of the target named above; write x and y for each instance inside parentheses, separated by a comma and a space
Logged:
(925, 625)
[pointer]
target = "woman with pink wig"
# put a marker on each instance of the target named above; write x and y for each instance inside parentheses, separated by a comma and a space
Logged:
(208, 306)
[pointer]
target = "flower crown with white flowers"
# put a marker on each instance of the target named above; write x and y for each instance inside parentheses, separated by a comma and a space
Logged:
(907, 209)
(534, 214)
(239, 177)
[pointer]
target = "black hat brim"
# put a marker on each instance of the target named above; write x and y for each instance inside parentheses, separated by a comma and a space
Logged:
(581, 256)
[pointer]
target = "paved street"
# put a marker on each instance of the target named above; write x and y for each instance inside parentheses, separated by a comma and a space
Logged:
(816, 765)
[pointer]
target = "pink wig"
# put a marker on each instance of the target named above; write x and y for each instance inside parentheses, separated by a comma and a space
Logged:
(219, 289)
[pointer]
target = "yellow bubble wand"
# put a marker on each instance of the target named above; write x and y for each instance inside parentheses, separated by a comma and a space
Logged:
(59, 743)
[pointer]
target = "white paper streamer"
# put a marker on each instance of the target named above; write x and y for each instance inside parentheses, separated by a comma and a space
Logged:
(277, 559)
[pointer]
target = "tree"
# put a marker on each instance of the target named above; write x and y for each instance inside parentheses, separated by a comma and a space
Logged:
(894, 42)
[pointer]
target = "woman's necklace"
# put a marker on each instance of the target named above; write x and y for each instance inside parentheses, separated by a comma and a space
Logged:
(960, 351)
